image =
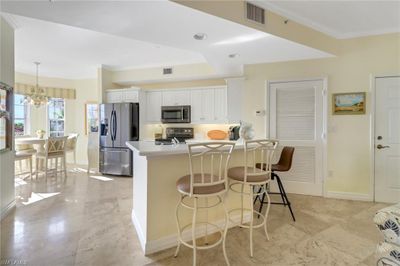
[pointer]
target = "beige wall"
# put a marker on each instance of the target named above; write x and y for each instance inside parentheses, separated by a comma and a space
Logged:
(185, 84)
(155, 75)
(7, 191)
(349, 142)
(86, 91)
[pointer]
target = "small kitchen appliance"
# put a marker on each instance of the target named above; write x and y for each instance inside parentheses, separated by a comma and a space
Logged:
(234, 132)
(176, 114)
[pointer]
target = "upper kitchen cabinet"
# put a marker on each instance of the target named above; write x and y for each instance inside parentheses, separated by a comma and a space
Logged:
(209, 105)
(202, 105)
(175, 97)
(130, 95)
(196, 105)
(153, 106)
(220, 112)
(235, 88)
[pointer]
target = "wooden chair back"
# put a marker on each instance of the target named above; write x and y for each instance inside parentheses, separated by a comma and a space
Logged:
(55, 145)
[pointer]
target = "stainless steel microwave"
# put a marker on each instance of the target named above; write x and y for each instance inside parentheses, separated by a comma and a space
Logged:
(175, 114)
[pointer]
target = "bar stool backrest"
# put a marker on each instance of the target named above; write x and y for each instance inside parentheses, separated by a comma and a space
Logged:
(258, 151)
(55, 144)
(212, 163)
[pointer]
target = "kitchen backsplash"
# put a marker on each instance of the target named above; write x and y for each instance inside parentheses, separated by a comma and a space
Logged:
(200, 131)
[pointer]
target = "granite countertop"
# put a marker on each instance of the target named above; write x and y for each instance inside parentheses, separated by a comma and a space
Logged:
(149, 148)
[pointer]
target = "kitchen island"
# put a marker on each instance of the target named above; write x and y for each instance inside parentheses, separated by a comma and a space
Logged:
(155, 171)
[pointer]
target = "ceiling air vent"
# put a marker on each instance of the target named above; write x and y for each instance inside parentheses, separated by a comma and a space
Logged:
(255, 13)
(167, 71)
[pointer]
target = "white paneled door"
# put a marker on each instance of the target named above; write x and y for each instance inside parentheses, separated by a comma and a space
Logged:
(387, 139)
(297, 119)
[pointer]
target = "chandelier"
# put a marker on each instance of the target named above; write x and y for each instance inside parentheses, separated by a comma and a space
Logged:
(37, 96)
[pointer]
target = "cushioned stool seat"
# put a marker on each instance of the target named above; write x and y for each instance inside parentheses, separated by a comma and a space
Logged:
(183, 185)
(237, 173)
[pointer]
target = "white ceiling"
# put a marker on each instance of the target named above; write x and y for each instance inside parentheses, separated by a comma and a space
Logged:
(341, 19)
(140, 26)
(72, 52)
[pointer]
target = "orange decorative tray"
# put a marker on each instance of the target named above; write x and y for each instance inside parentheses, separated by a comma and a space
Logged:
(217, 134)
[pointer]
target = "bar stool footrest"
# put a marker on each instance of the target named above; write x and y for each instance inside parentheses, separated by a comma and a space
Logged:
(244, 225)
(207, 246)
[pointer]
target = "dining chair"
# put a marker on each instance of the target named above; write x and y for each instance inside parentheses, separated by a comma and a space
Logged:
(21, 156)
(71, 145)
(248, 175)
(54, 148)
(208, 164)
(24, 152)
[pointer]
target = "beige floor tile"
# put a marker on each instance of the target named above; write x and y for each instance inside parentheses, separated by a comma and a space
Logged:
(88, 222)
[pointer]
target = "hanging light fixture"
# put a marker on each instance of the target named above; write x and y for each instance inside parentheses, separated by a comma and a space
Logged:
(37, 96)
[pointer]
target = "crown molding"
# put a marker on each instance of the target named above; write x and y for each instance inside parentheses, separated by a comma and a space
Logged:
(321, 28)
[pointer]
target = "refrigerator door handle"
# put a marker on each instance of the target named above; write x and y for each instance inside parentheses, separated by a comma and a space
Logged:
(115, 125)
(112, 125)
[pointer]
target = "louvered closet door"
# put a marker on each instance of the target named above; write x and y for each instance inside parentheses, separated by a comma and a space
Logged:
(296, 119)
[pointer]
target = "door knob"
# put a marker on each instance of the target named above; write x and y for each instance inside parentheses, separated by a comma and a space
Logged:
(379, 146)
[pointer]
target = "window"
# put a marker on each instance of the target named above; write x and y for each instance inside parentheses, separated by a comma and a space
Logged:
(21, 110)
(56, 117)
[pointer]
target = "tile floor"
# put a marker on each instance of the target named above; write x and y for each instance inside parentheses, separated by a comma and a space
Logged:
(86, 221)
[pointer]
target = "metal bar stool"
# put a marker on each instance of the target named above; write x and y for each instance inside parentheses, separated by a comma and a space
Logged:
(284, 165)
(260, 151)
(208, 164)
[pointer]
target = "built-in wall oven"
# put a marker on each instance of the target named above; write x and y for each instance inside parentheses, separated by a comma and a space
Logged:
(176, 114)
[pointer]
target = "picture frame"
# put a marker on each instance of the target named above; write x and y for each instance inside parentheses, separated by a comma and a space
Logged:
(351, 103)
(91, 117)
(6, 116)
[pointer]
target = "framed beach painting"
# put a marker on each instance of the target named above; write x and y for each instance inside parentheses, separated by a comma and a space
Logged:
(352, 103)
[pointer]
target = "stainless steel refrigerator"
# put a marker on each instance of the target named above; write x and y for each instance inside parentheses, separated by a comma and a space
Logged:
(119, 122)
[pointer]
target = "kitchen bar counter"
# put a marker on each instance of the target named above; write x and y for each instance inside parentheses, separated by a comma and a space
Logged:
(156, 168)
(148, 148)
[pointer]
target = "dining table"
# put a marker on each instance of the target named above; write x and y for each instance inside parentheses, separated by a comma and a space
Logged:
(35, 142)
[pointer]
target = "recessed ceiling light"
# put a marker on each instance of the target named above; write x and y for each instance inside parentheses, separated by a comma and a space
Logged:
(200, 36)
(233, 55)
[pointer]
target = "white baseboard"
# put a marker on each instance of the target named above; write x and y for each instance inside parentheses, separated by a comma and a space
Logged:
(166, 242)
(7, 209)
(139, 231)
(348, 196)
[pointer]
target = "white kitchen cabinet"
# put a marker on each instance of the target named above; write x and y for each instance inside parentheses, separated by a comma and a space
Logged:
(131, 96)
(196, 105)
(153, 106)
(235, 92)
(208, 105)
(220, 115)
(202, 105)
(114, 96)
(123, 95)
(175, 97)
